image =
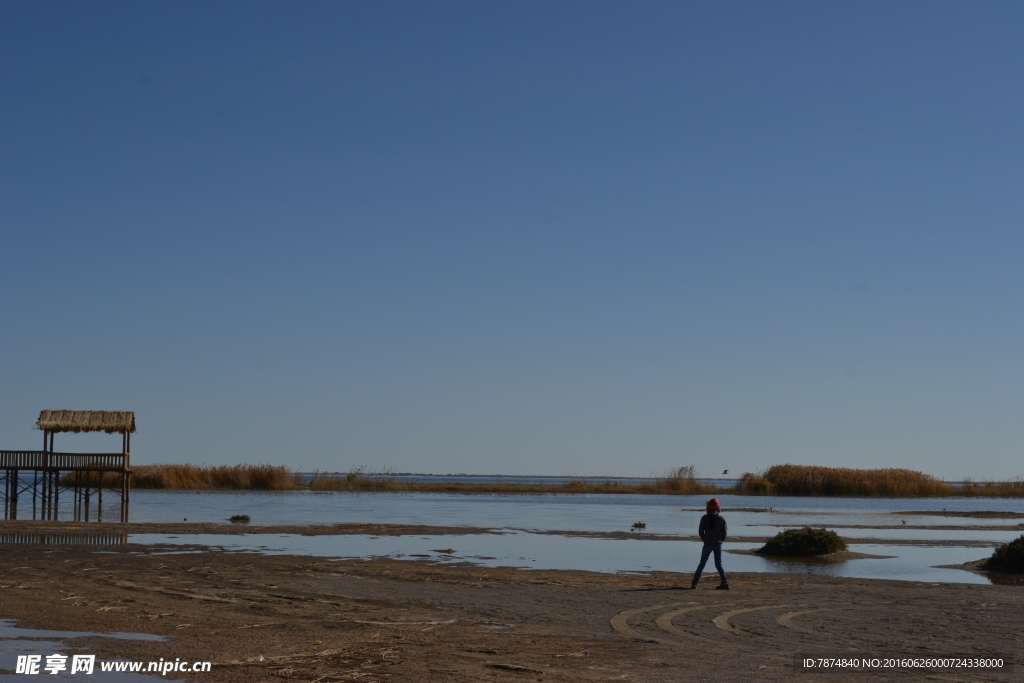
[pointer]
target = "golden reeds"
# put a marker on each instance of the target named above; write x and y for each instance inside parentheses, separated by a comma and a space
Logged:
(780, 480)
(805, 480)
(238, 477)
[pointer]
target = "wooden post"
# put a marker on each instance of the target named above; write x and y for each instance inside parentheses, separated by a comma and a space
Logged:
(55, 484)
(44, 510)
(127, 472)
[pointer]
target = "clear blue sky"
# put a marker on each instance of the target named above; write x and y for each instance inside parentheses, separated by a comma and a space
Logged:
(514, 237)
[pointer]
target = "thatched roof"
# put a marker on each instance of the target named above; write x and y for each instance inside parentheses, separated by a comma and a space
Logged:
(111, 422)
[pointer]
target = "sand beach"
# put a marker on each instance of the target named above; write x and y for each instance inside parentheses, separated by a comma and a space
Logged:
(272, 618)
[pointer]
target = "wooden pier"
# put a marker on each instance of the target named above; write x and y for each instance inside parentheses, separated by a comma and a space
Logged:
(40, 477)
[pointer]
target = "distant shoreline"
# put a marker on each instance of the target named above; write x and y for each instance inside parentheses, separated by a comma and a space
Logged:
(778, 480)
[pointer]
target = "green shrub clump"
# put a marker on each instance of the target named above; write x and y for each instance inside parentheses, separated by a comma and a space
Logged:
(239, 518)
(1008, 557)
(803, 542)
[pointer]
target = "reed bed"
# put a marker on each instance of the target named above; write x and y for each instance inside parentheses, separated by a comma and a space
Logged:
(804, 480)
(679, 481)
(807, 480)
(991, 489)
(194, 477)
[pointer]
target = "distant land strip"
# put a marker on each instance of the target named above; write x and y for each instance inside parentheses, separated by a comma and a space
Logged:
(778, 480)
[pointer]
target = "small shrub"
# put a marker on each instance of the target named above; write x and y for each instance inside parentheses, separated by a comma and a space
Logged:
(239, 518)
(803, 543)
(1008, 557)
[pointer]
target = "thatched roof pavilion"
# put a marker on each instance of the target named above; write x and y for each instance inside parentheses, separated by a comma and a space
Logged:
(111, 422)
(83, 475)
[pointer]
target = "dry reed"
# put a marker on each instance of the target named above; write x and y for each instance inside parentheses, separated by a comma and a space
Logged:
(679, 481)
(805, 480)
(238, 477)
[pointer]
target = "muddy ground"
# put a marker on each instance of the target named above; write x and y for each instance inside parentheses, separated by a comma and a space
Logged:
(275, 618)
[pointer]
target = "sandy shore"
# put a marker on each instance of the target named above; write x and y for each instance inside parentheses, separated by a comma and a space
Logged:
(312, 619)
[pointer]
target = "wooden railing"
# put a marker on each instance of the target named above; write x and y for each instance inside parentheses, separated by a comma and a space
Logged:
(41, 460)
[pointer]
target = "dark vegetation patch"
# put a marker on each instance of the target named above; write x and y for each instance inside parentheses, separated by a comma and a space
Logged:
(1008, 557)
(804, 542)
(809, 480)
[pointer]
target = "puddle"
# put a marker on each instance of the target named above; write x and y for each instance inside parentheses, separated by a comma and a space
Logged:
(15, 641)
(9, 630)
(545, 551)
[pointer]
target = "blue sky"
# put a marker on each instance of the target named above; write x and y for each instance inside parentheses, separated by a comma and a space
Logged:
(521, 238)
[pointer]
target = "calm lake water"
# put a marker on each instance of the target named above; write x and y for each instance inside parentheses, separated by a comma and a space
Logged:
(520, 515)
(589, 512)
(917, 552)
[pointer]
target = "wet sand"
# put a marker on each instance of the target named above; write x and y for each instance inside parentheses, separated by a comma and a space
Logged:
(312, 619)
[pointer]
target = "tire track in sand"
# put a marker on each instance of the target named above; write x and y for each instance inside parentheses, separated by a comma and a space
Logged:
(787, 620)
(620, 622)
(665, 620)
(722, 620)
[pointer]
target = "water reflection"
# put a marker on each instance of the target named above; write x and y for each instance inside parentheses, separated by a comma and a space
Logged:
(64, 539)
(9, 630)
(545, 551)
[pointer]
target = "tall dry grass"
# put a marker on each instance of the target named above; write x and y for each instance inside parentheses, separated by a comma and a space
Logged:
(239, 477)
(807, 480)
(681, 481)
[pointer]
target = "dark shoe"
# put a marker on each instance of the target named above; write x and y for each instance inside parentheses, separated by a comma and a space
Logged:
(722, 587)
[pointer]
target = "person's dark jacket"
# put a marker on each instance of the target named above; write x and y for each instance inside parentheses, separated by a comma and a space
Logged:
(713, 528)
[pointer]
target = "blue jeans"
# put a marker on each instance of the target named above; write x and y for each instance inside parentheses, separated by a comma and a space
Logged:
(709, 548)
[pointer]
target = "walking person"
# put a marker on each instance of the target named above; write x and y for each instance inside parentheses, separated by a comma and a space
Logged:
(713, 530)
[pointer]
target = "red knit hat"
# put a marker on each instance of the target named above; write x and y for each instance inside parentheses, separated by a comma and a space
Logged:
(713, 506)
